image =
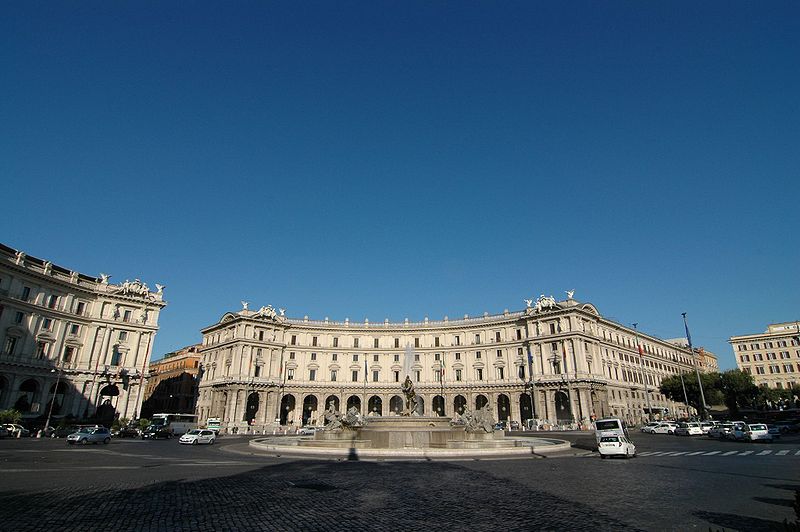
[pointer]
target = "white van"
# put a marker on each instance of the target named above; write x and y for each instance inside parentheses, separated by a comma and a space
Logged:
(610, 426)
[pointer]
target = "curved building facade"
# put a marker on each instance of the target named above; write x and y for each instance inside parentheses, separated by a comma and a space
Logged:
(552, 364)
(72, 344)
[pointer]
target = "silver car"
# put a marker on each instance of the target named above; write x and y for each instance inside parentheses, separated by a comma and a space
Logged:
(90, 435)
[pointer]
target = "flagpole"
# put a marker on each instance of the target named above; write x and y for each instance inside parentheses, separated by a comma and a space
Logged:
(441, 383)
(640, 352)
(696, 370)
(531, 382)
(365, 386)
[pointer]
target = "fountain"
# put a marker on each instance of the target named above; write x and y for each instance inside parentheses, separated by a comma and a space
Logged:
(408, 435)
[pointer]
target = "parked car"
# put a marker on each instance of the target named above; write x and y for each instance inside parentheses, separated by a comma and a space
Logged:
(737, 432)
(786, 427)
(198, 436)
(664, 428)
(307, 431)
(689, 429)
(706, 426)
(616, 446)
(88, 435)
(757, 432)
(4, 432)
(513, 424)
(648, 427)
(718, 431)
(63, 432)
(775, 431)
(17, 430)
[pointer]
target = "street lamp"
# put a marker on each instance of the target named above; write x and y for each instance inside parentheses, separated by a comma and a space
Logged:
(55, 391)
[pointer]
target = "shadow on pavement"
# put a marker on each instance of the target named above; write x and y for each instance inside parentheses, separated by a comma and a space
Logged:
(309, 495)
(738, 522)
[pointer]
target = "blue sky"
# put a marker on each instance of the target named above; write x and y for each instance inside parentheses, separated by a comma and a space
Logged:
(412, 159)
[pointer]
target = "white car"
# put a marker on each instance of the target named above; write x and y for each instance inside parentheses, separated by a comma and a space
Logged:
(616, 446)
(648, 427)
(706, 426)
(757, 432)
(664, 428)
(719, 431)
(736, 432)
(307, 431)
(689, 429)
(198, 436)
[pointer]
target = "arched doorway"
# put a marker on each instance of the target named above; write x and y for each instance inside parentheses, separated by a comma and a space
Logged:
(438, 405)
(354, 401)
(287, 408)
(525, 408)
(106, 411)
(459, 404)
(28, 391)
(57, 394)
(503, 407)
(309, 409)
(375, 406)
(597, 406)
(420, 406)
(480, 402)
(396, 405)
(563, 408)
(252, 408)
(332, 399)
(4, 389)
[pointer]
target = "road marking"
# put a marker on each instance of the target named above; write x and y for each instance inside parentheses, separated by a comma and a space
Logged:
(695, 453)
(729, 453)
(797, 453)
(55, 469)
(680, 453)
(648, 453)
(712, 453)
(745, 453)
(762, 453)
(782, 453)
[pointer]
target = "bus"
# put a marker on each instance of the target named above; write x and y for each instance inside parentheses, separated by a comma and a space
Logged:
(610, 426)
(174, 424)
(214, 423)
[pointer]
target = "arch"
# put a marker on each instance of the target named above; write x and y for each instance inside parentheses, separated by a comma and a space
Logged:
(438, 405)
(251, 409)
(105, 413)
(109, 390)
(332, 399)
(503, 407)
(56, 398)
(597, 406)
(420, 406)
(588, 307)
(459, 404)
(563, 408)
(375, 406)
(354, 401)
(396, 405)
(310, 406)
(4, 389)
(480, 401)
(287, 407)
(27, 390)
(525, 408)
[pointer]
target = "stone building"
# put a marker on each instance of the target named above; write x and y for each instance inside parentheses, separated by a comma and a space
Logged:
(706, 360)
(558, 362)
(72, 344)
(172, 383)
(771, 357)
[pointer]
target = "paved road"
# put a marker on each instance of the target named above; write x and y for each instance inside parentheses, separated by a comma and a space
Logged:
(160, 485)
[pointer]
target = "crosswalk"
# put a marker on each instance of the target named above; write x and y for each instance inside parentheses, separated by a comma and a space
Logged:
(765, 452)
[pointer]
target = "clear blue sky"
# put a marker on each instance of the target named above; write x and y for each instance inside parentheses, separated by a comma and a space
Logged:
(412, 159)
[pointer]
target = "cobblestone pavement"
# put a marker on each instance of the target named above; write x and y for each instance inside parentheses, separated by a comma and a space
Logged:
(163, 486)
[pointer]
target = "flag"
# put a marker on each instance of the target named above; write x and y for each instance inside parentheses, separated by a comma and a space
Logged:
(365, 368)
(442, 367)
(641, 350)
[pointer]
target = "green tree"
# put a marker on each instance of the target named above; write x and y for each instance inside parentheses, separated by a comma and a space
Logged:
(738, 389)
(10, 416)
(144, 423)
(672, 388)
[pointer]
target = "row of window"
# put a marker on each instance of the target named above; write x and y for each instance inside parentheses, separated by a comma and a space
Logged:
(417, 340)
(52, 301)
(773, 368)
(759, 357)
(500, 374)
(770, 345)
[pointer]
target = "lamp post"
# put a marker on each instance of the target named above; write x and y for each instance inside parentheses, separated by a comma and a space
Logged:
(640, 352)
(55, 392)
(531, 383)
(703, 407)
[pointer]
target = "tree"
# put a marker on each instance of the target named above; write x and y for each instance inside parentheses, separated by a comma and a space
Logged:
(672, 388)
(738, 389)
(10, 416)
